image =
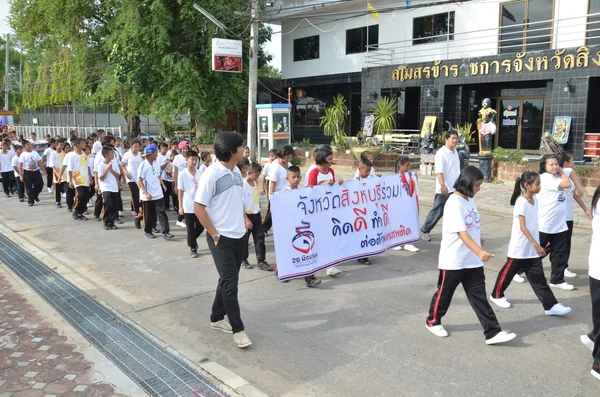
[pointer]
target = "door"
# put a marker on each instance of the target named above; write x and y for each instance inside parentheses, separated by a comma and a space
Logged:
(509, 123)
(355, 114)
(532, 123)
(525, 26)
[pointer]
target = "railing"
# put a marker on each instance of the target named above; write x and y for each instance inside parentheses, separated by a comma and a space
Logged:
(64, 132)
(532, 36)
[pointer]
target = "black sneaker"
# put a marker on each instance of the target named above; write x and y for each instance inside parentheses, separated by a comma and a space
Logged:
(155, 230)
(58, 205)
(364, 261)
(37, 199)
(149, 235)
(246, 264)
(194, 253)
(138, 223)
(83, 217)
(113, 227)
(70, 209)
(119, 221)
(106, 227)
(21, 200)
(265, 266)
(30, 204)
(312, 281)
(75, 216)
(97, 218)
(168, 236)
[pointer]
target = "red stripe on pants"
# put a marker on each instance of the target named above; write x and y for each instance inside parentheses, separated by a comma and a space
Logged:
(437, 300)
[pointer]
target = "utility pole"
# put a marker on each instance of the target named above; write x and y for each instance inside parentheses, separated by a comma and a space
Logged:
(252, 82)
(6, 71)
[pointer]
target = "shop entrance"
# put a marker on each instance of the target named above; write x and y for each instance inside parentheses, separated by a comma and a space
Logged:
(520, 122)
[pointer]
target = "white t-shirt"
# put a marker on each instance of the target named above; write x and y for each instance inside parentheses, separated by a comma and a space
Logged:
(221, 190)
(66, 163)
(109, 184)
(180, 162)
(48, 152)
(56, 161)
(6, 161)
(15, 163)
(97, 147)
(312, 167)
(80, 165)
(120, 150)
(167, 173)
(151, 180)
(132, 164)
(594, 258)
(460, 215)
(266, 168)
(252, 198)
(99, 159)
(371, 175)
(188, 183)
(30, 160)
(278, 174)
(552, 212)
(519, 247)
(569, 195)
(447, 163)
(316, 176)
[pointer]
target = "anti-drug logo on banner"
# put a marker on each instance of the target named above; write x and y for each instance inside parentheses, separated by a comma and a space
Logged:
(316, 228)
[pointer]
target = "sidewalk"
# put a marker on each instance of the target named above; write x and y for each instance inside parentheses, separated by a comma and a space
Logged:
(38, 357)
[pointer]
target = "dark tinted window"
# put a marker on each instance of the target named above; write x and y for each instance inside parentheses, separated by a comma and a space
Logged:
(430, 28)
(306, 48)
(356, 39)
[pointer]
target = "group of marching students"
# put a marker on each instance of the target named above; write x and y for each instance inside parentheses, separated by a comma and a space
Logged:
(157, 175)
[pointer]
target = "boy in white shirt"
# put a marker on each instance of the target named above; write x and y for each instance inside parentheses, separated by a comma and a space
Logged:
(80, 175)
(56, 161)
(252, 206)
(8, 179)
(206, 159)
(187, 185)
(179, 164)
(151, 194)
(277, 179)
(15, 166)
(165, 161)
(30, 165)
(46, 159)
(108, 175)
(130, 163)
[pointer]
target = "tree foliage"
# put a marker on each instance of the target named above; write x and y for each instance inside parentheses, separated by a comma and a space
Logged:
(149, 57)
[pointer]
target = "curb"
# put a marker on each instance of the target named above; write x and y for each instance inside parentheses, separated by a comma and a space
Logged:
(226, 379)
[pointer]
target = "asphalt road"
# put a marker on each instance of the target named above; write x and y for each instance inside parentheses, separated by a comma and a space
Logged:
(361, 333)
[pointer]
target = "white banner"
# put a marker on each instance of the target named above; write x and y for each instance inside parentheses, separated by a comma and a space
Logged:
(316, 228)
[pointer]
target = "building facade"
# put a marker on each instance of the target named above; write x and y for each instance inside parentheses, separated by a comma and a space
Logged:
(535, 59)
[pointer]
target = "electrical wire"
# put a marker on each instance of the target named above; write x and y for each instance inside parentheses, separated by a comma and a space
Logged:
(272, 92)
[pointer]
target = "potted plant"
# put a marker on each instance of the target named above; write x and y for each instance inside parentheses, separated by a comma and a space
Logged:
(384, 110)
(465, 130)
(334, 121)
(365, 144)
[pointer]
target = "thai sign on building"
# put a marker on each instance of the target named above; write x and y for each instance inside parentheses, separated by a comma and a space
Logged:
(520, 64)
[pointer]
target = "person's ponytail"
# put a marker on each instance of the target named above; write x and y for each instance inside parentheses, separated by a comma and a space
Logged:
(516, 192)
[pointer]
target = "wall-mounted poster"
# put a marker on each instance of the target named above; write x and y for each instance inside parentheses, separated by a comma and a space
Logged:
(428, 126)
(368, 127)
(561, 129)
(264, 124)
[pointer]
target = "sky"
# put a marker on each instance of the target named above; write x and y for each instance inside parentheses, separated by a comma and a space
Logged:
(273, 47)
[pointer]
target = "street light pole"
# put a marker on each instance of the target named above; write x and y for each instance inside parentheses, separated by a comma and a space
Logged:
(6, 72)
(252, 82)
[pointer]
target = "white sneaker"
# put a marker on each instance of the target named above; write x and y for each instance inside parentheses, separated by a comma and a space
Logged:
(222, 325)
(519, 279)
(587, 342)
(558, 310)
(89, 204)
(50, 190)
(501, 302)
(241, 339)
(425, 236)
(63, 195)
(120, 213)
(411, 248)
(180, 223)
(398, 248)
(502, 337)
(437, 330)
(569, 273)
(564, 285)
(333, 271)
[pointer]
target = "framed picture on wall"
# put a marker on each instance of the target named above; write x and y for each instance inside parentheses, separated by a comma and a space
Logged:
(561, 129)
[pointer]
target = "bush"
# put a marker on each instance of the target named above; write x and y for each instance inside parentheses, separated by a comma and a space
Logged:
(296, 161)
(206, 138)
(508, 156)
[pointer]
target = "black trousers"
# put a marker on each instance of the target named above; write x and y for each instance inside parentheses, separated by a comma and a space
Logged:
(59, 188)
(558, 254)
(535, 274)
(81, 199)
(98, 204)
(436, 213)
(267, 222)
(194, 229)
(152, 210)
(171, 195)
(258, 236)
(569, 238)
(20, 188)
(70, 199)
(595, 334)
(134, 192)
(228, 255)
(34, 183)
(111, 207)
(8, 182)
(49, 176)
(473, 282)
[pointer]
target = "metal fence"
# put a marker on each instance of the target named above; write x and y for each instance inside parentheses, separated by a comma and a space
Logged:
(64, 132)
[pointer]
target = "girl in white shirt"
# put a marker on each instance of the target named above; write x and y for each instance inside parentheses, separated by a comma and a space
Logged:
(552, 217)
(524, 250)
(592, 340)
(461, 260)
(402, 168)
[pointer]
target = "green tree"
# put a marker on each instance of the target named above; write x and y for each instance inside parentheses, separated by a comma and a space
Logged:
(14, 99)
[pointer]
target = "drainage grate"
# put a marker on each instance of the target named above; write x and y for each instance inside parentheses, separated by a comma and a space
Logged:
(157, 371)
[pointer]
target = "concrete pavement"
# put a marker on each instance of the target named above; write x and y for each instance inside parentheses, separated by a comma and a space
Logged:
(359, 334)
